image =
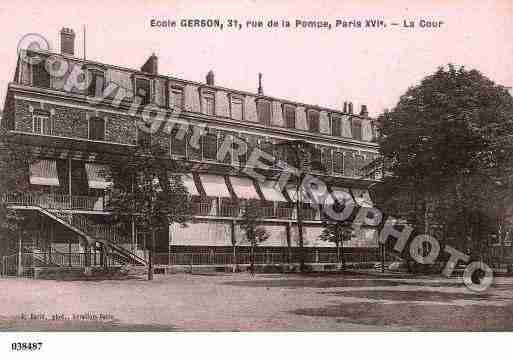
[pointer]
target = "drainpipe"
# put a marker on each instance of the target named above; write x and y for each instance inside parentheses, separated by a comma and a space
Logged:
(20, 256)
(69, 180)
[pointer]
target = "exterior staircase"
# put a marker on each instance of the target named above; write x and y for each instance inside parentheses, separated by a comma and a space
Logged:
(91, 232)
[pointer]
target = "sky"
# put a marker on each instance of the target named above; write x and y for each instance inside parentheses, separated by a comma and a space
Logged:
(314, 66)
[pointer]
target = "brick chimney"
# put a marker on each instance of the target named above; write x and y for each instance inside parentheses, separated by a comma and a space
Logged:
(210, 78)
(67, 41)
(151, 65)
(350, 107)
(345, 107)
(363, 111)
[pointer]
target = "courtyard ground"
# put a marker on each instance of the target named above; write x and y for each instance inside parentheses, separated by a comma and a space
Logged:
(240, 302)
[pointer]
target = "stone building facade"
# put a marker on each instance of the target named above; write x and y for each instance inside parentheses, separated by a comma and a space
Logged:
(79, 116)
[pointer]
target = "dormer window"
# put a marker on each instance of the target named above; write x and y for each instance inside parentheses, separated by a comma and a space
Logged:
(176, 98)
(42, 123)
(289, 114)
(313, 121)
(236, 108)
(208, 103)
(336, 126)
(143, 90)
(264, 112)
(356, 128)
(97, 84)
(39, 75)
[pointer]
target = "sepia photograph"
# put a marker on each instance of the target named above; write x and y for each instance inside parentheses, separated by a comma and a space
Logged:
(255, 166)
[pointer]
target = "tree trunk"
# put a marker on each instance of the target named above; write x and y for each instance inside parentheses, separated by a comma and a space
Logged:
(342, 254)
(234, 259)
(382, 245)
(150, 257)
(20, 255)
(289, 247)
(338, 252)
(252, 259)
(300, 227)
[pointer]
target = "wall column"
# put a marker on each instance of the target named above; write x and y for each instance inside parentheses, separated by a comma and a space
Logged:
(69, 181)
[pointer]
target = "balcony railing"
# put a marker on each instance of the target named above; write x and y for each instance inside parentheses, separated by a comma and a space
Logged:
(54, 201)
(220, 207)
(228, 209)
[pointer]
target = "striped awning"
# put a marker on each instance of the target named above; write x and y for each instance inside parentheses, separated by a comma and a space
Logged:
(271, 191)
(188, 182)
(96, 175)
(244, 188)
(214, 186)
(44, 173)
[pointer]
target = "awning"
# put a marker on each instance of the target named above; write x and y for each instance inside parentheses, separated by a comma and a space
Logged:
(96, 175)
(244, 188)
(271, 192)
(44, 172)
(291, 191)
(188, 182)
(214, 186)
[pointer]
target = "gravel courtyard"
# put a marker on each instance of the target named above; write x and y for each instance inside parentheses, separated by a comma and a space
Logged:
(239, 302)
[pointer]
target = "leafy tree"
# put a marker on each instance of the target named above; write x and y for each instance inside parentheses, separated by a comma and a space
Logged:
(337, 232)
(14, 174)
(298, 154)
(255, 234)
(146, 192)
(448, 157)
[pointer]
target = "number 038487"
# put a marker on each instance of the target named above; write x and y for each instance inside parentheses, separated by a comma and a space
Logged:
(26, 346)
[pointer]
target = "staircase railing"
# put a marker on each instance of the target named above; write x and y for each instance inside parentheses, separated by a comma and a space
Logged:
(91, 231)
(108, 236)
(49, 258)
(54, 200)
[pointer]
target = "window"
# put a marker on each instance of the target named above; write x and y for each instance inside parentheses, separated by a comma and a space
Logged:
(210, 146)
(349, 159)
(313, 121)
(194, 144)
(42, 123)
(143, 135)
(356, 129)
(236, 108)
(289, 113)
(338, 162)
(143, 90)
(336, 126)
(178, 142)
(96, 86)
(208, 103)
(327, 159)
(316, 159)
(264, 112)
(176, 98)
(359, 164)
(96, 129)
(40, 76)
(268, 148)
